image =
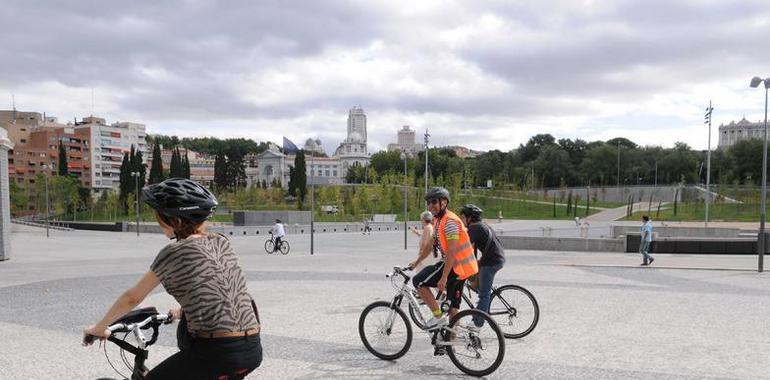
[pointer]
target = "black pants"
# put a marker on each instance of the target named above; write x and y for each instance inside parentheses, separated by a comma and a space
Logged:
(277, 244)
(212, 359)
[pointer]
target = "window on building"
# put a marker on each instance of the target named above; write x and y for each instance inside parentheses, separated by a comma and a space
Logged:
(327, 172)
(335, 173)
(23, 141)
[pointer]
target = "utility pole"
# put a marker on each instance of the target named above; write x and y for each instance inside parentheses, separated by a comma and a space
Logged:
(136, 208)
(47, 207)
(709, 109)
(403, 155)
(618, 164)
(312, 201)
(426, 139)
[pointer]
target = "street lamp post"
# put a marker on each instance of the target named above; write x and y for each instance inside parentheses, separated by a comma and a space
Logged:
(403, 155)
(312, 202)
(708, 164)
(426, 139)
(47, 207)
(136, 207)
(762, 208)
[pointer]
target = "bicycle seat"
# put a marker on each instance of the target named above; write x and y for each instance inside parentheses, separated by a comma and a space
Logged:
(137, 315)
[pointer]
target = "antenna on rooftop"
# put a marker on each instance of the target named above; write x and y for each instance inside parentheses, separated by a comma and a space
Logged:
(13, 105)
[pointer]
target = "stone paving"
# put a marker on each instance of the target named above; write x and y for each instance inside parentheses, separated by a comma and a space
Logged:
(602, 316)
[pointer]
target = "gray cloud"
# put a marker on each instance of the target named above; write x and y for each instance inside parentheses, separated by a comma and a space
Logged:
(189, 61)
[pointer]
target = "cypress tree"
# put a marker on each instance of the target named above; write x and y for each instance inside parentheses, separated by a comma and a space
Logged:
(220, 170)
(300, 173)
(174, 168)
(156, 171)
(185, 166)
(292, 180)
(125, 181)
(63, 170)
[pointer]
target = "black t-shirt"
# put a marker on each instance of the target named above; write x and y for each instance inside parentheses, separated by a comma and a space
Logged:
(480, 235)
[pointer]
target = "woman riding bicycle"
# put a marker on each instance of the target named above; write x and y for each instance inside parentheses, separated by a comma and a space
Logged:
(492, 258)
(220, 338)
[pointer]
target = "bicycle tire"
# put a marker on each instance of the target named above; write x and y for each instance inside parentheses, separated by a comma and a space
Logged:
(269, 246)
(284, 248)
(474, 342)
(399, 316)
(518, 315)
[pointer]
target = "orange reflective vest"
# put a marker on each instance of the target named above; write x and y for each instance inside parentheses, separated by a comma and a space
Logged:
(465, 264)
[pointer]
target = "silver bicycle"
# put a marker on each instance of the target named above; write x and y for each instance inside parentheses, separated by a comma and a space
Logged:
(386, 332)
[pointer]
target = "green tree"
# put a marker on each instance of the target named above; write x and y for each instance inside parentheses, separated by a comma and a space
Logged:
(185, 166)
(292, 180)
(63, 170)
(300, 173)
(175, 166)
(220, 171)
(18, 196)
(125, 185)
(156, 170)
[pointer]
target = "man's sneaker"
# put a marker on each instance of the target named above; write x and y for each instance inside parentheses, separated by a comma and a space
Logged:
(435, 323)
(651, 260)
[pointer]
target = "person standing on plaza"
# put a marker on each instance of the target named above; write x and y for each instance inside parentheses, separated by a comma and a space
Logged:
(492, 259)
(646, 241)
(367, 228)
(278, 233)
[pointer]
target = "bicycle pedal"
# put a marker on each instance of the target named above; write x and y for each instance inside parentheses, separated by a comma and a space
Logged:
(439, 351)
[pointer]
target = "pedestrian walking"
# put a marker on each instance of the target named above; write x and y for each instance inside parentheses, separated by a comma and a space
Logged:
(646, 242)
(367, 229)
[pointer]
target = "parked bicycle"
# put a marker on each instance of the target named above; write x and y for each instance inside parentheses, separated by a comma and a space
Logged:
(513, 307)
(387, 334)
(270, 245)
(133, 323)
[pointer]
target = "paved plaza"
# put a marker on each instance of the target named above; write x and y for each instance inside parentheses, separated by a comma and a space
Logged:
(602, 316)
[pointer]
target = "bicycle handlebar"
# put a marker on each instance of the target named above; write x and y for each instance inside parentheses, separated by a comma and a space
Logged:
(155, 320)
(398, 270)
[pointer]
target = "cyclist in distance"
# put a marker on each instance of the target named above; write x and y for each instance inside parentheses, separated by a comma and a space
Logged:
(457, 264)
(278, 234)
(218, 334)
(492, 259)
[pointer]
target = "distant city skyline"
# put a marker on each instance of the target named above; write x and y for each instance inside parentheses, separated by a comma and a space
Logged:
(480, 74)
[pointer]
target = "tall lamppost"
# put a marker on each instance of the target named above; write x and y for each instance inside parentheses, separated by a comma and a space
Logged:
(403, 155)
(312, 201)
(47, 167)
(426, 139)
(762, 208)
(136, 207)
(708, 164)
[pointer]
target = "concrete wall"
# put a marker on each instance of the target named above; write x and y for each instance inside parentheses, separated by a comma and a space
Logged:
(267, 218)
(297, 229)
(615, 194)
(720, 246)
(670, 231)
(562, 244)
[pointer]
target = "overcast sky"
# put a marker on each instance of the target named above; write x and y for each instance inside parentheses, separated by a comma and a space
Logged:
(482, 74)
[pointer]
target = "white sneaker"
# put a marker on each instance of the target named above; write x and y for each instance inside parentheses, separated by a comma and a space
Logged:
(435, 323)
(472, 327)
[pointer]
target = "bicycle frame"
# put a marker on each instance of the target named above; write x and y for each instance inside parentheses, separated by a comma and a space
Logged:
(406, 291)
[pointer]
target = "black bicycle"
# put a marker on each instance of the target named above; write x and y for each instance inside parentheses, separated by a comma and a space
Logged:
(513, 307)
(133, 323)
(270, 245)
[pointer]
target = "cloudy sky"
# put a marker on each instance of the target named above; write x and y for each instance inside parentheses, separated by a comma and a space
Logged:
(483, 74)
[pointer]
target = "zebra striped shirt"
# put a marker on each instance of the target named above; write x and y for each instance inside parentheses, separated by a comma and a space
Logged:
(204, 276)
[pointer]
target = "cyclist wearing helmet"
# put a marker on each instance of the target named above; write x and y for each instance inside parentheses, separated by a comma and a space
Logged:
(452, 241)
(492, 259)
(219, 329)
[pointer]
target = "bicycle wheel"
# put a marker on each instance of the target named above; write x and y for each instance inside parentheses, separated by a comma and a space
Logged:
(385, 331)
(284, 248)
(515, 310)
(269, 246)
(477, 351)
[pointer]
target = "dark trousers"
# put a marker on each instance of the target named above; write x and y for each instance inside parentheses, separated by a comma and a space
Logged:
(214, 359)
(277, 245)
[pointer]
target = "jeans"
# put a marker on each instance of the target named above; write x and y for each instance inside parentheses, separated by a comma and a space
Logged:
(644, 248)
(486, 278)
(277, 244)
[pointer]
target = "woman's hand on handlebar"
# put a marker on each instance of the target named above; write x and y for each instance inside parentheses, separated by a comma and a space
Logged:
(175, 314)
(91, 333)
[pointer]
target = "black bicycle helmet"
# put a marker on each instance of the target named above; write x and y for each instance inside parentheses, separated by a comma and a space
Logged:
(472, 211)
(437, 193)
(182, 198)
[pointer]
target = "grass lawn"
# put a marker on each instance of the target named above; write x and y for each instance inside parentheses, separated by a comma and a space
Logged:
(724, 212)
